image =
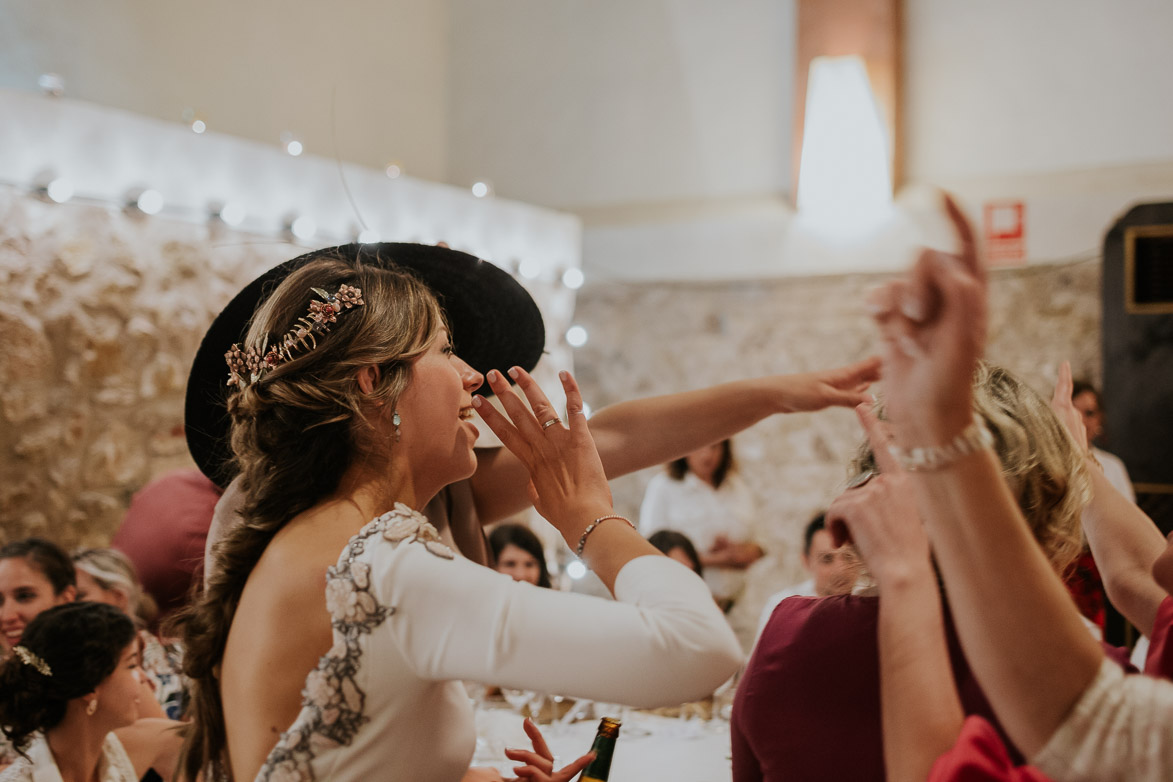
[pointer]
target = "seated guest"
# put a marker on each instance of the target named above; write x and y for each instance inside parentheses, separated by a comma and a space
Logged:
(702, 496)
(518, 554)
(678, 547)
(834, 569)
(35, 575)
(70, 683)
(106, 575)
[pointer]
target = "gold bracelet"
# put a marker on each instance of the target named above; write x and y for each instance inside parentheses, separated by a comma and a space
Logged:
(973, 438)
(591, 528)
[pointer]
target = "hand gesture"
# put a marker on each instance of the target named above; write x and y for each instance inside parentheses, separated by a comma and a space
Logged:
(880, 515)
(539, 764)
(567, 483)
(1065, 409)
(842, 387)
(933, 323)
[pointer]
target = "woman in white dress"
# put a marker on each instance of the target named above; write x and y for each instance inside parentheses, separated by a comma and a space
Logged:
(71, 682)
(334, 631)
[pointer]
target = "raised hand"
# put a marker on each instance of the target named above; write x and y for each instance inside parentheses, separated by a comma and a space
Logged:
(567, 483)
(933, 323)
(880, 514)
(539, 764)
(1071, 418)
(841, 387)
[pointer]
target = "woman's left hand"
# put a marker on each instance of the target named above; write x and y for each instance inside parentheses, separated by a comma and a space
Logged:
(880, 516)
(539, 764)
(1065, 409)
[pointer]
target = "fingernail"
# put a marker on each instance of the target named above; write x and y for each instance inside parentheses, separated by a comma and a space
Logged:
(494, 376)
(477, 401)
(910, 347)
(913, 308)
(564, 375)
(514, 372)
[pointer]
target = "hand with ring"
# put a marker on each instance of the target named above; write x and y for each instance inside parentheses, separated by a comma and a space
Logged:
(567, 483)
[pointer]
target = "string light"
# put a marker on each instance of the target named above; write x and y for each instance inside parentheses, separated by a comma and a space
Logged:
(576, 570)
(480, 189)
(59, 190)
(231, 214)
(303, 227)
(292, 145)
(393, 171)
(576, 336)
(572, 278)
(149, 202)
(198, 126)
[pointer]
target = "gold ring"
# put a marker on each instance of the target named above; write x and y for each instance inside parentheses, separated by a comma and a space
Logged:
(551, 422)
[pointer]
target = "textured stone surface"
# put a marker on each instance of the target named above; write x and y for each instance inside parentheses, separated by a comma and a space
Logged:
(654, 339)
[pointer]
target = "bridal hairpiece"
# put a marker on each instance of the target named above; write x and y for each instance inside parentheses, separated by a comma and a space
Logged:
(32, 659)
(246, 366)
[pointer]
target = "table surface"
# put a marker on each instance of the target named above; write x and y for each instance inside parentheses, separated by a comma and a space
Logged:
(649, 746)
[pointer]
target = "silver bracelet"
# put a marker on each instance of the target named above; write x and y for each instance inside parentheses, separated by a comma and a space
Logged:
(591, 528)
(973, 438)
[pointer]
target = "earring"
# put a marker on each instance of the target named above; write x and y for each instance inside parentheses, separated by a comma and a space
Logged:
(395, 419)
(91, 707)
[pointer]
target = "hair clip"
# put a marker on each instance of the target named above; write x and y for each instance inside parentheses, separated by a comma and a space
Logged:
(29, 658)
(246, 366)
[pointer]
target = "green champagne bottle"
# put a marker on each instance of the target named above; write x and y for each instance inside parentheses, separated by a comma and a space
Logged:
(604, 747)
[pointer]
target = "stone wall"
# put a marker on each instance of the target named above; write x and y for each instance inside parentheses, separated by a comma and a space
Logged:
(101, 314)
(653, 339)
(100, 317)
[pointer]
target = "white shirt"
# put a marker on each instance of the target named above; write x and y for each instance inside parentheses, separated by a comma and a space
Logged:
(1116, 473)
(701, 512)
(39, 766)
(411, 619)
(805, 589)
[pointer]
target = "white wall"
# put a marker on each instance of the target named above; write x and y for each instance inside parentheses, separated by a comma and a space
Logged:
(1003, 87)
(253, 68)
(581, 103)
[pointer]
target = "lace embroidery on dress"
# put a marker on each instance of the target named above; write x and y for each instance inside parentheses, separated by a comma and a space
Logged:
(332, 702)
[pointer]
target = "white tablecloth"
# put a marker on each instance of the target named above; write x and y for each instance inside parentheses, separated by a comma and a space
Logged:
(696, 751)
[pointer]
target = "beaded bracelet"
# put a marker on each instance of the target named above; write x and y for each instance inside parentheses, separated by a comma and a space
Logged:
(973, 438)
(591, 528)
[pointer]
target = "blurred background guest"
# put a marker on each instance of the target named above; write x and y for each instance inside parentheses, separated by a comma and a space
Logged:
(677, 546)
(106, 575)
(517, 552)
(701, 496)
(35, 575)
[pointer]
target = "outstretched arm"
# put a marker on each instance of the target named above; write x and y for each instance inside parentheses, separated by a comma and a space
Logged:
(645, 432)
(1124, 541)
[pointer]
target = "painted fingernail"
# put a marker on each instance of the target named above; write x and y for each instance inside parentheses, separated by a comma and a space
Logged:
(913, 308)
(514, 372)
(477, 401)
(494, 376)
(910, 347)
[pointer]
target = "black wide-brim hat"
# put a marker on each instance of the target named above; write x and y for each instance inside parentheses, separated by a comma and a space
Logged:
(495, 325)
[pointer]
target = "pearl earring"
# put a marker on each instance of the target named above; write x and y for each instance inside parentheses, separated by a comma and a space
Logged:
(395, 419)
(91, 707)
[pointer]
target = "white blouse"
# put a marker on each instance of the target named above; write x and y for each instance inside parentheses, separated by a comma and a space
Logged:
(701, 512)
(39, 766)
(411, 619)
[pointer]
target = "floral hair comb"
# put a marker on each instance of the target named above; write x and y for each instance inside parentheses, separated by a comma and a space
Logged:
(32, 659)
(246, 366)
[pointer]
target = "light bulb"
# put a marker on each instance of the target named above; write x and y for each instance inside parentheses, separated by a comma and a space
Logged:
(59, 191)
(576, 336)
(480, 189)
(150, 202)
(529, 268)
(576, 570)
(303, 227)
(573, 278)
(231, 214)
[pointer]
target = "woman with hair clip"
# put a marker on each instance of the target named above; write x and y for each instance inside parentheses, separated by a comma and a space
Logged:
(337, 624)
(71, 683)
(106, 575)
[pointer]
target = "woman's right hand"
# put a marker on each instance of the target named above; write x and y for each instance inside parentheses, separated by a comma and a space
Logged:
(567, 483)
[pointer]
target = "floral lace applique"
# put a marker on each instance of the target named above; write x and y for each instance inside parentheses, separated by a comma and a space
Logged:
(332, 702)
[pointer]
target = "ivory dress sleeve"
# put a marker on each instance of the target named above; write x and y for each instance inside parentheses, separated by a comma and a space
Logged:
(662, 642)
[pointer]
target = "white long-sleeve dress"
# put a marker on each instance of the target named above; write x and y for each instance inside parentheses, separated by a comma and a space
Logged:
(412, 619)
